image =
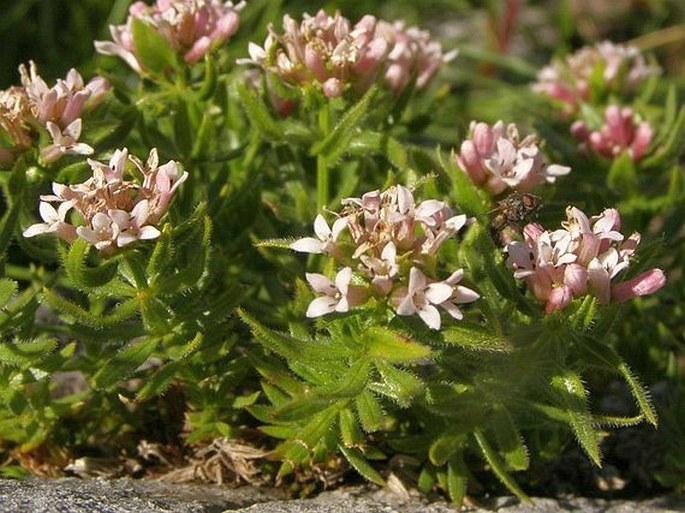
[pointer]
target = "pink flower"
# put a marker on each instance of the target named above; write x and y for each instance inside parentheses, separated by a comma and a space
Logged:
(26, 110)
(647, 283)
(66, 100)
(338, 296)
(584, 257)
(413, 52)
(623, 68)
(116, 211)
(192, 28)
(324, 51)
(498, 158)
(620, 133)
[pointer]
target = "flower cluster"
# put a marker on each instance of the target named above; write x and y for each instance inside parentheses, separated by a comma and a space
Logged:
(330, 53)
(582, 258)
(413, 52)
(622, 68)
(621, 132)
(192, 28)
(114, 211)
(496, 157)
(34, 106)
(387, 245)
(323, 50)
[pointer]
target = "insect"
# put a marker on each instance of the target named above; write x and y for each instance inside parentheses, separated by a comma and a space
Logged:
(513, 209)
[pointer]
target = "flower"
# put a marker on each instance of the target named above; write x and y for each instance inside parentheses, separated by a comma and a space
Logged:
(622, 68)
(581, 258)
(498, 158)
(326, 237)
(115, 211)
(413, 52)
(620, 133)
(420, 297)
(323, 51)
(35, 106)
(389, 242)
(459, 296)
(54, 222)
(338, 296)
(64, 142)
(192, 28)
(66, 100)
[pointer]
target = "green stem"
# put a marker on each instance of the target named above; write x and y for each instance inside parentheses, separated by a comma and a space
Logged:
(35, 274)
(322, 171)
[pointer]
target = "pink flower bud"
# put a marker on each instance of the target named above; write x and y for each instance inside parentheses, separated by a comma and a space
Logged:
(647, 283)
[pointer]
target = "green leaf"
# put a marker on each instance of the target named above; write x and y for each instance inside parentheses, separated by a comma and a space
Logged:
(475, 338)
(7, 226)
(639, 393)
(8, 289)
(80, 274)
(351, 384)
(571, 396)
(497, 466)
(584, 316)
(375, 142)
(120, 313)
(336, 143)
(442, 449)
(160, 381)
(622, 175)
(210, 80)
(301, 408)
(467, 196)
(298, 449)
(152, 49)
(25, 354)
(669, 152)
(125, 363)
(259, 114)
(370, 412)
(400, 385)
(349, 429)
(359, 463)
(385, 344)
(184, 131)
(457, 480)
(509, 440)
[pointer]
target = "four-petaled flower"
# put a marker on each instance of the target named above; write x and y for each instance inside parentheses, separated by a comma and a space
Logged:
(338, 295)
(420, 297)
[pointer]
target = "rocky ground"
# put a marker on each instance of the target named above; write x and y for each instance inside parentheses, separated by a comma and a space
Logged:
(73, 495)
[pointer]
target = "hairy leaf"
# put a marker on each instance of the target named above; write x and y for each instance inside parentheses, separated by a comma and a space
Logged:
(385, 344)
(359, 463)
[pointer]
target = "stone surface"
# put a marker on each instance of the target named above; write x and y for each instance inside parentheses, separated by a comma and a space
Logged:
(128, 496)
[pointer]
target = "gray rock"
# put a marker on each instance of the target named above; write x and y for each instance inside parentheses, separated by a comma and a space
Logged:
(73, 495)
(129, 496)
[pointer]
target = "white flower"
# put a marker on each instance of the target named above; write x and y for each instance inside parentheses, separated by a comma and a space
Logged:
(326, 237)
(421, 297)
(54, 222)
(64, 142)
(460, 295)
(102, 233)
(338, 296)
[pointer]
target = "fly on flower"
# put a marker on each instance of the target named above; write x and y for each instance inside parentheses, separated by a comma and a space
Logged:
(513, 209)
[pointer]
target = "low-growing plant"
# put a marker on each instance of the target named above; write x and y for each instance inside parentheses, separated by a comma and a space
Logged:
(460, 306)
